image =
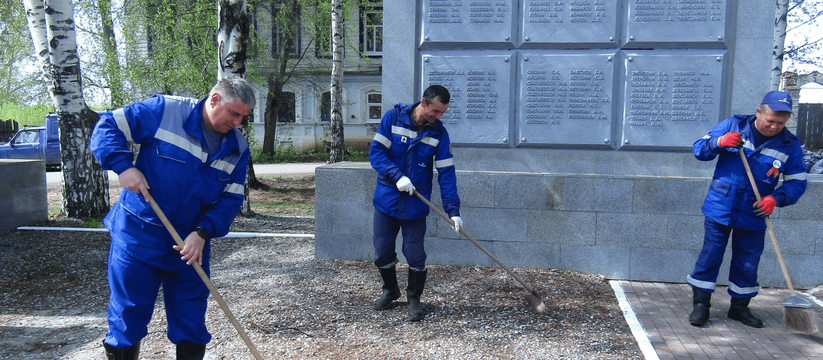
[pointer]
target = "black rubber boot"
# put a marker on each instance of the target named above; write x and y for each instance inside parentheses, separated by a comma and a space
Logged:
(127, 353)
(417, 281)
(190, 351)
(702, 303)
(739, 310)
(390, 290)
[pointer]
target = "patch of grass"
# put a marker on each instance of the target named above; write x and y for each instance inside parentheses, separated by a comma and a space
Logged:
(92, 224)
(353, 154)
(296, 209)
(272, 213)
(287, 155)
(54, 210)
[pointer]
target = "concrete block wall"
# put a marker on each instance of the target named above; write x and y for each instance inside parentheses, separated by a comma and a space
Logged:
(23, 196)
(632, 227)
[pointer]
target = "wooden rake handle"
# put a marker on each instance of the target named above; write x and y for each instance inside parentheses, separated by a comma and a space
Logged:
(508, 269)
(768, 222)
(206, 280)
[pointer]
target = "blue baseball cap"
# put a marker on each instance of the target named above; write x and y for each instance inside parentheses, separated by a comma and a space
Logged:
(778, 101)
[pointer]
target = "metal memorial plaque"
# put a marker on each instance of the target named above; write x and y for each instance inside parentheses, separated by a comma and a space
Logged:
(566, 22)
(670, 98)
(663, 21)
(479, 83)
(481, 22)
(565, 98)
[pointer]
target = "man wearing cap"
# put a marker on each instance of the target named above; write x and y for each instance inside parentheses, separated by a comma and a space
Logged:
(731, 207)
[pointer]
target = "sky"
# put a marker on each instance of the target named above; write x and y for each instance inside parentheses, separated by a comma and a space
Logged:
(802, 30)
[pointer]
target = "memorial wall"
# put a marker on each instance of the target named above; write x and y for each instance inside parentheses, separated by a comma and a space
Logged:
(631, 74)
(572, 123)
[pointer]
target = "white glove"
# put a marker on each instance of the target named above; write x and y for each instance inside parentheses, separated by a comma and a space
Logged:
(458, 223)
(405, 185)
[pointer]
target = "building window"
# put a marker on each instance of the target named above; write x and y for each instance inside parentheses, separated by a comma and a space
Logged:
(374, 103)
(323, 37)
(285, 27)
(287, 106)
(372, 28)
(325, 106)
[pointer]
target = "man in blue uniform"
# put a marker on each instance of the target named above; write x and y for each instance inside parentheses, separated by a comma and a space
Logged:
(731, 207)
(193, 159)
(410, 142)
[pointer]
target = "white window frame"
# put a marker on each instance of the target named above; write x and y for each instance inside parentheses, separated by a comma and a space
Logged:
(377, 9)
(364, 101)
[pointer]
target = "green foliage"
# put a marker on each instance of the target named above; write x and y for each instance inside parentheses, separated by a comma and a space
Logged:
(182, 53)
(25, 115)
(16, 83)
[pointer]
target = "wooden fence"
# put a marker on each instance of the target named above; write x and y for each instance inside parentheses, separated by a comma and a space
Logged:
(810, 125)
(7, 129)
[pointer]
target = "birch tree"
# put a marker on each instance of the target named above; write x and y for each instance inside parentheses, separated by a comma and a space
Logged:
(337, 146)
(85, 183)
(780, 16)
(232, 47)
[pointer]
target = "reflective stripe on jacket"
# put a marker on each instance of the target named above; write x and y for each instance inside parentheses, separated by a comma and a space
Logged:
(730, 197)
(191, 188)
(397, 150)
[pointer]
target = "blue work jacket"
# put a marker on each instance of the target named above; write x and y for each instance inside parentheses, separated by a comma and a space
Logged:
(190, 187)
(399, 149)
(730, 197)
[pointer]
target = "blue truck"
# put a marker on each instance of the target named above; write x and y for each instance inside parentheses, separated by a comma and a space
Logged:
(35, 143)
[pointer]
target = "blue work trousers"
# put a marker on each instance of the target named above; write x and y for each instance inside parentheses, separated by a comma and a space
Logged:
(386, 229)
(134, 285)
(747, 246)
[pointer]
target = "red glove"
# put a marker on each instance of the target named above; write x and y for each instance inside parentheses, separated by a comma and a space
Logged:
(731, 139)
(765, 206)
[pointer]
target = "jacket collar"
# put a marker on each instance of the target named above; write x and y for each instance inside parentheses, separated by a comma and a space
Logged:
(407, 119)
(193, 125)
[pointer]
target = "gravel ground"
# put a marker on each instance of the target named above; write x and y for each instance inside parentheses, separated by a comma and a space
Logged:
(53, 297)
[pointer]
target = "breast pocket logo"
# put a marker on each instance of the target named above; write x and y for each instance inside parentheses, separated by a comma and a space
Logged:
(775, 170)
(404, 139)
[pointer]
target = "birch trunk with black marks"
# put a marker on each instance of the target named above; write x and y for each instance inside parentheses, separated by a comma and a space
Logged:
(85, 183)
(337, 145)
(232, 44)
(780, 16)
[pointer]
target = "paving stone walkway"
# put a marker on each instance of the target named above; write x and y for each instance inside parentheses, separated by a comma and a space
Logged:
(663, 309)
